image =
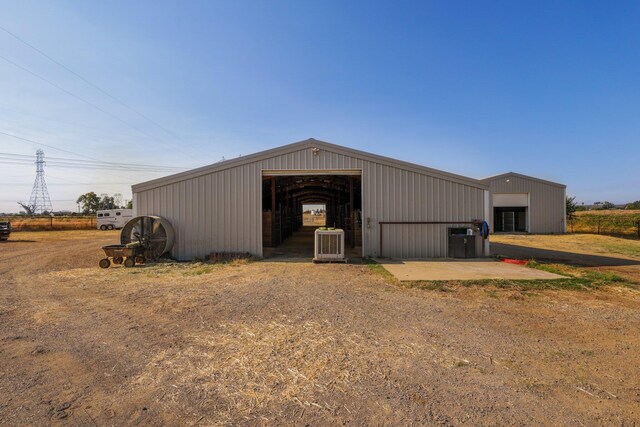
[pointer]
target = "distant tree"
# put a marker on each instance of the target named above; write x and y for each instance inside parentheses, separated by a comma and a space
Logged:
(30, 210)
(633, 205)
(117, 200)
(571, 207)
(608, 205)
(129, 204)
(107, 202)
(89, 203)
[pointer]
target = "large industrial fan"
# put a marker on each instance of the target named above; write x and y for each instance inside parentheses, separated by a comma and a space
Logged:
(155, 234)
(142, 239)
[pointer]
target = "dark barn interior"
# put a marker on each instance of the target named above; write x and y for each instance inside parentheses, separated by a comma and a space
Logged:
(282, 213)
(510, 219)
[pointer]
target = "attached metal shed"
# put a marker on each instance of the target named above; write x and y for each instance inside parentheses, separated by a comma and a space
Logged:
(255, 201)
(521, 203)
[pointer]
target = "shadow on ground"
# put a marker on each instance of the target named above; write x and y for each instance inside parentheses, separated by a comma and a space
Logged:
(570, 258)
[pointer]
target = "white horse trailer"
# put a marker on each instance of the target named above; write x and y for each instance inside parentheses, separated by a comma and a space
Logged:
(113, 218)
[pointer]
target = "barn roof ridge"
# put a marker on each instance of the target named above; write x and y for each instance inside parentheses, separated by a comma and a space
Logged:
(532, 178)
(295, 146)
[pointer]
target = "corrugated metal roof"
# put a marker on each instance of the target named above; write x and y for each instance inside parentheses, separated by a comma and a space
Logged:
(220, 166)
(532, 178)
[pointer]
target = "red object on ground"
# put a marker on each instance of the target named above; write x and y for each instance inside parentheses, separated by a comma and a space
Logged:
(515, 261)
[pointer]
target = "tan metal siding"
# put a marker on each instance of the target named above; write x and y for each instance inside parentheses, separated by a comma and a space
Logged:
(546, 202)
(396, 195)
(221, 211)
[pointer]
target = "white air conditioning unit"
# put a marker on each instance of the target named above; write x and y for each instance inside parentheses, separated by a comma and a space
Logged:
(329, 245)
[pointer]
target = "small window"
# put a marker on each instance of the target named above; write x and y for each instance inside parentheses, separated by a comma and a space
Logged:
(99, 215)
(106, 214)
(118, 213)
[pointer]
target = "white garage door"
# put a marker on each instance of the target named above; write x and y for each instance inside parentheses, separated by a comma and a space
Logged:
(510, 200)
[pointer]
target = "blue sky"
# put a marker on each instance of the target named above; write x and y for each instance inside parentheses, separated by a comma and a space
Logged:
(549, 89)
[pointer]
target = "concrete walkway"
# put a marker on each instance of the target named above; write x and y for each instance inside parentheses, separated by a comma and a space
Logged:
(468, 269)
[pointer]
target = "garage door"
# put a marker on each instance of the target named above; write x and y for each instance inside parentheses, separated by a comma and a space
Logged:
(510, 199)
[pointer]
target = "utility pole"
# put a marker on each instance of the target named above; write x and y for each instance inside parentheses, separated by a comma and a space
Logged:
(39, 194)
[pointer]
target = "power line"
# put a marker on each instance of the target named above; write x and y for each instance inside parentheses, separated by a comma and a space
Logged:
(85, 163)
(24, 159)
(113, 116)
(119, 174)
(88, 162)
(57, 121)
(88, 82)
(53, 200)
(80, 166)
(46, 145)
(57, 184)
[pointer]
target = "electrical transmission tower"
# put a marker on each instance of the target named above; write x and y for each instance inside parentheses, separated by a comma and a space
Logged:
(40, 201)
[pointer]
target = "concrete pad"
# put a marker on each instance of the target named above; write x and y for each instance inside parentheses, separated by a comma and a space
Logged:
(453, 269)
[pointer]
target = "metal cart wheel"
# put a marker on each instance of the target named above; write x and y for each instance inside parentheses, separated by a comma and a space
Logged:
(118, 260)
(129, 262)
(140, 259)
(104, 263)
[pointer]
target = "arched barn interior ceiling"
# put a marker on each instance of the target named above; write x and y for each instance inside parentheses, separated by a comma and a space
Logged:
(314, 188)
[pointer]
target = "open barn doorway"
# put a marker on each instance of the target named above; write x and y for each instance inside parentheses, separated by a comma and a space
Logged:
(295, 204)
(314, 215)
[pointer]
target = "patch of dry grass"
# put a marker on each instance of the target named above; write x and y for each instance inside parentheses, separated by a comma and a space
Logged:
(247, 367)
(263, 369)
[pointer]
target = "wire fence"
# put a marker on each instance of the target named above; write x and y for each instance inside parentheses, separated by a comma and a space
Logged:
(612, 225)
(42, 223)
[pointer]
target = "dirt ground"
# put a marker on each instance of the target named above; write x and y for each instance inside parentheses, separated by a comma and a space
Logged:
(273, 343)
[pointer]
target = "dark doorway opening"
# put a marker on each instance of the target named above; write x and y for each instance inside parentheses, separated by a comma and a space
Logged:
(510, 220)
(286, 230)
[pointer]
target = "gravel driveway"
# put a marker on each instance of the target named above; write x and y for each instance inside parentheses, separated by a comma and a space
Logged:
(273, 343)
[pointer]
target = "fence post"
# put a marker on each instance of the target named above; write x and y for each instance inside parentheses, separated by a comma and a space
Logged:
(638, 225)
(51, 222)
(599, 225)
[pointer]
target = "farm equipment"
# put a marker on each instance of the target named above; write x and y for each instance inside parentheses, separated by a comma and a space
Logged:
(5, 230)
(142, 239)
(129, 255)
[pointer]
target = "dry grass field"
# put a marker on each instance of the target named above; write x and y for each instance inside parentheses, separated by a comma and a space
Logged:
(314, 220)
(292, 343)
(23, 223)
(620, 222)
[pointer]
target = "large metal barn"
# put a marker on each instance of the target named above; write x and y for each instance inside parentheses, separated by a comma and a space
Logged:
(254, 203)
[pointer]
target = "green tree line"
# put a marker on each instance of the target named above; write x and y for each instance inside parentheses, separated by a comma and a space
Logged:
(89, 203)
